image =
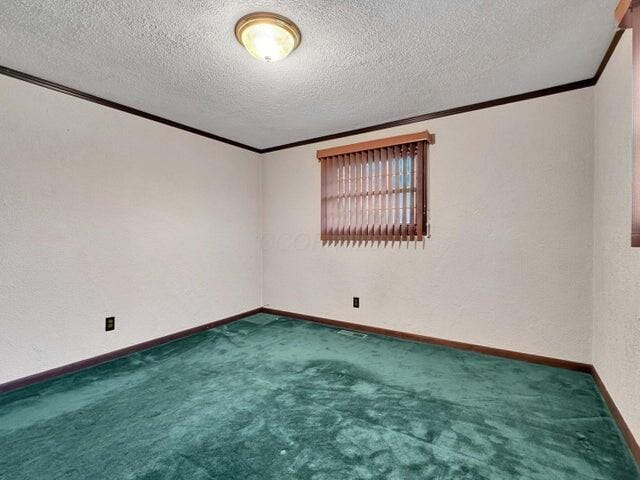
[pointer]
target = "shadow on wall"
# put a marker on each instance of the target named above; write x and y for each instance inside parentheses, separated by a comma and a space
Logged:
(309, 242)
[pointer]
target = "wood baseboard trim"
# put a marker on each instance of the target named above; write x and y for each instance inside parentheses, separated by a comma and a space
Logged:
(106, 357)
(496, 352)
(634, 447)
(628, 436)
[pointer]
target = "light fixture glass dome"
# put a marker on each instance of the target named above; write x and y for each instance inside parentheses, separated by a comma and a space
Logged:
(267, 36)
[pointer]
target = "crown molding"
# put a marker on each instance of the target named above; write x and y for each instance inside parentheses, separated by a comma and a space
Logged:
(589, 82)
(9, 72)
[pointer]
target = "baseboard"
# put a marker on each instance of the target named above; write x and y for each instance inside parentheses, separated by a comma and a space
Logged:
(106, 357)
(496, 352)
(527, 357)
(634, 447)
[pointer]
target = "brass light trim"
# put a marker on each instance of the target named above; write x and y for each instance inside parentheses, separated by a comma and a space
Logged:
(270, 19)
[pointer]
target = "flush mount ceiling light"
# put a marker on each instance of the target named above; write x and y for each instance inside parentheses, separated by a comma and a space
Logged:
(268, 36)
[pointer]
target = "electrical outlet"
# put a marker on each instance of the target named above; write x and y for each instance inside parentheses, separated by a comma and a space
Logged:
(356, 302)
(110, 323)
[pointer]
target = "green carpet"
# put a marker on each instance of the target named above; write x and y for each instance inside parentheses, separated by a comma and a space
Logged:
(273, 398)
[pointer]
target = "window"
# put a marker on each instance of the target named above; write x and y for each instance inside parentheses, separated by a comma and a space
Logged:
(376, 191)
(627, 15)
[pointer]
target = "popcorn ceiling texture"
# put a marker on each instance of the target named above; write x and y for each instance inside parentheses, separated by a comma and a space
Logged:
(360, 62)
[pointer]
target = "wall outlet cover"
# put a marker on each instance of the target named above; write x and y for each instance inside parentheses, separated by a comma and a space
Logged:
(110, 324)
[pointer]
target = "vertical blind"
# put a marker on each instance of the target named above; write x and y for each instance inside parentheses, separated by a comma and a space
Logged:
(635, 185)
(376, 190)
(627, 15)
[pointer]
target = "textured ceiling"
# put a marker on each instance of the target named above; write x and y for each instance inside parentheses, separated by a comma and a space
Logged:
(360, 62)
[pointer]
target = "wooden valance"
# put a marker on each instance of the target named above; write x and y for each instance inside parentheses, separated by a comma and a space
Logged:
(376, 190)
(376, 144)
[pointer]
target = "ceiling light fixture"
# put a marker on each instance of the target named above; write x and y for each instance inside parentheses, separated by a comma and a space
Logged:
(268, 36)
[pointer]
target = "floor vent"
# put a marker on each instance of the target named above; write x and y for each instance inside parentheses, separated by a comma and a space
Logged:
(261, 319)
(349, 333)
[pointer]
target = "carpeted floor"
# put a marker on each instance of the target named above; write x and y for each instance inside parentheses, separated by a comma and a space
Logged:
(273, 398)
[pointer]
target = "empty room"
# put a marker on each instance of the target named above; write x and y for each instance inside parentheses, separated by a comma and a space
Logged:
(320, 240)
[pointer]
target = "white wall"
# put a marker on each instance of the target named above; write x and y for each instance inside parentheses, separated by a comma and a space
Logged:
(103, 213)
(616, 279)
(509, 262)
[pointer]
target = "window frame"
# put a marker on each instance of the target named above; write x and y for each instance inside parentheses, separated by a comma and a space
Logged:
(627, 15)
(357, 205)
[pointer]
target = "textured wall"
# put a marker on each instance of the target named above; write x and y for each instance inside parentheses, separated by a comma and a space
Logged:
(103, 213)
(616, 303)
(509, 262)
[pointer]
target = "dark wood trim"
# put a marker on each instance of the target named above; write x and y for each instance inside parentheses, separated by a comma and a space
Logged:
(590, 82)
(496, 352)
(117, 106)
(628, 436)
(443, 113)
(608, 54)
(90, 362)
(622, 425)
